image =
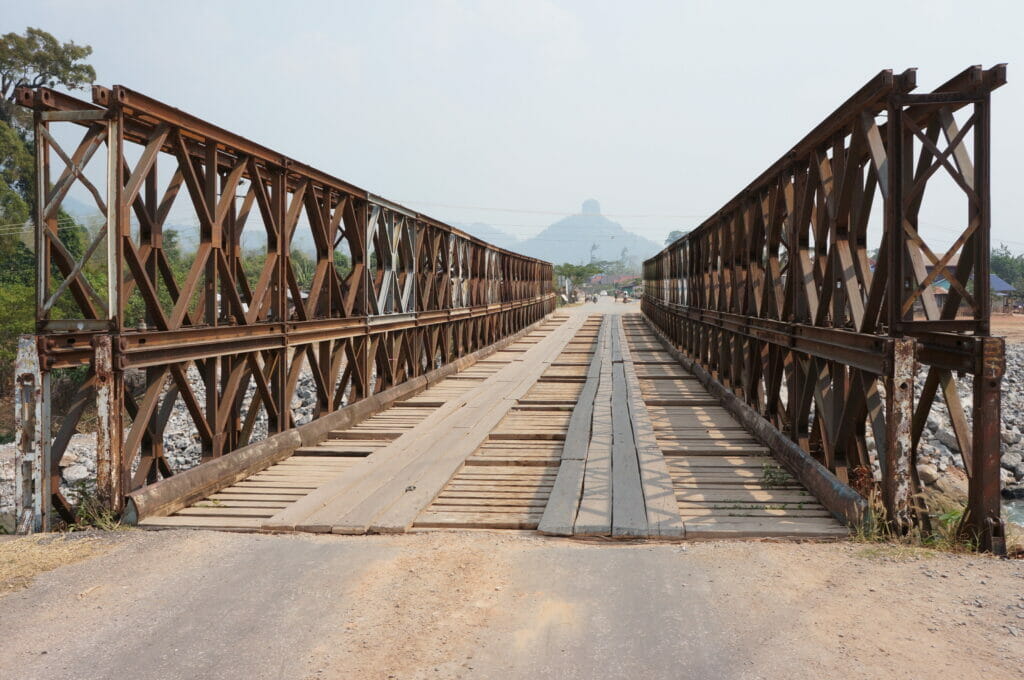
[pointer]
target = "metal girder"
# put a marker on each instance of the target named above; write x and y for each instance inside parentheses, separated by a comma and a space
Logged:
(225, 341)
(778, 296)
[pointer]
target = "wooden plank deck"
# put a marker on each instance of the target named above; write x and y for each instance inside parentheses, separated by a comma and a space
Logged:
(507, 481)
(583, 427)
(312, 470)
(726, 484)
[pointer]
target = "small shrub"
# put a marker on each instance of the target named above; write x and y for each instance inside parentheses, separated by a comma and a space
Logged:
(90, 512)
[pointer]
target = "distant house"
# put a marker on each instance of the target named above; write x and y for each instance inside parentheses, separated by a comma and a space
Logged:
(996, 285)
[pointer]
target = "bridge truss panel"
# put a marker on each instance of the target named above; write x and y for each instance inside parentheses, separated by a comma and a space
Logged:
(782, 296)
(386, 295)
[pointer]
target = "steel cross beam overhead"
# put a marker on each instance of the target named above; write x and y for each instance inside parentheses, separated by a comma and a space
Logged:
(230, 336)
(781, 298)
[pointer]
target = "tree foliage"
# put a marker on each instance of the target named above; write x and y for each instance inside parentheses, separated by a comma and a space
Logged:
(34, 58)
(1007, 266)
(578, 273)
(38, 58)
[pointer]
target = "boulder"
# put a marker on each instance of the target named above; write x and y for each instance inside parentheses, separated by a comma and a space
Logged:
(949, 439)
(927, 473)
(75, 473)
(953, 483)
(1011, 459)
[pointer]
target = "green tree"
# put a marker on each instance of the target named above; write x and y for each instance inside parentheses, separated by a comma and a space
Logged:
(578, 273)
(1007, 266)
(304, 267)
(38, 58)
(35, 58)
(343, 263)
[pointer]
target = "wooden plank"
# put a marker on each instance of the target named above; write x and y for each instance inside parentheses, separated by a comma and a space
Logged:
(629, 513)
(720, 461)
(754, 512)
(532, 461)
(227, 495)
(223, 523)
(238, 504)
(451, 503)
(744, 496)
(465, 520)
(200, 510)
(774, 527)
(562, 504)
(594, 517)
(485, 496)
(662, 509)
(275, 485)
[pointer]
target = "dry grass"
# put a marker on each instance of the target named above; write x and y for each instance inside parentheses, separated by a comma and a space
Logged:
(900, 552)
(946, 513)
(23, 558)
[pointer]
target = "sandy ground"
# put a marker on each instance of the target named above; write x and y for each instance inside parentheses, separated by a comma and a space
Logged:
(180, 604)
(1009, 326)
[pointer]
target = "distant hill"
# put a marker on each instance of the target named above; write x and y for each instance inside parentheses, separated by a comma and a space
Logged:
(586, 236)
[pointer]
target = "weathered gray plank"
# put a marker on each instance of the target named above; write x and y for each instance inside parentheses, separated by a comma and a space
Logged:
(663, 519)
(564, 501)
(629, 514)
(595, 513)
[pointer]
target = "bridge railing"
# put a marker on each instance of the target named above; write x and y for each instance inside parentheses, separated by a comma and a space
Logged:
(294, 273)
(813, 296)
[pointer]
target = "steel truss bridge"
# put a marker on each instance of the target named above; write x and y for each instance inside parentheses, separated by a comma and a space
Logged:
(807, 339)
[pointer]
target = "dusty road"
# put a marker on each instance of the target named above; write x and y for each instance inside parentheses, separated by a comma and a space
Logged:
(483, 605)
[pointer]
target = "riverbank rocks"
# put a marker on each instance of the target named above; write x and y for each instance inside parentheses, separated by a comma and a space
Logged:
(1011, 459)
(1014, 492)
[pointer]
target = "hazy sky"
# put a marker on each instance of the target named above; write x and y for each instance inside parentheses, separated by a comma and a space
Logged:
(653, 108)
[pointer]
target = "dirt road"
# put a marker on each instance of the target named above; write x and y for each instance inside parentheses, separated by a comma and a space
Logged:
(485, 605)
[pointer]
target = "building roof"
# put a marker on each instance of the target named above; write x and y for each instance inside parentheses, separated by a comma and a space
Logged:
(997, 285)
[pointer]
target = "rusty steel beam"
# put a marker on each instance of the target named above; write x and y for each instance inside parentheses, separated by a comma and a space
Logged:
(775, 296)
(419, 294)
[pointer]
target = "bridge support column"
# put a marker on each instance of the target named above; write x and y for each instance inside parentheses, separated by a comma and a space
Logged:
(32, 432)
(109, 429)
(983, 518)
(899, 414)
